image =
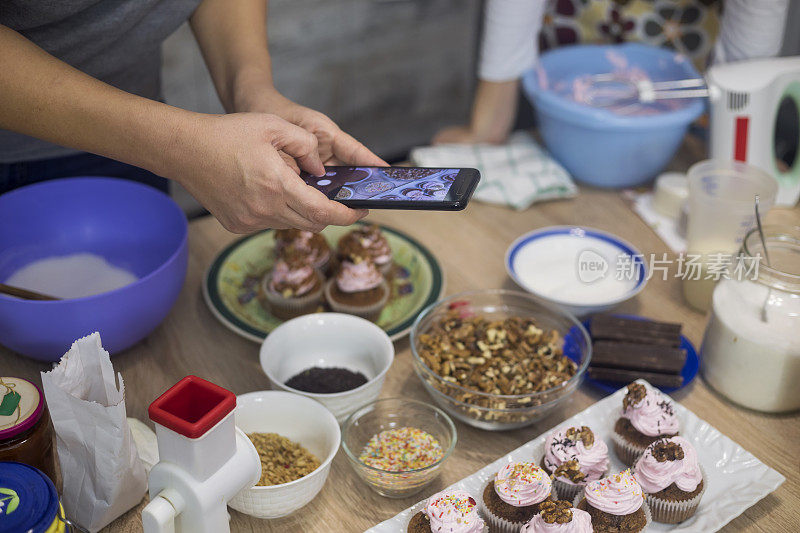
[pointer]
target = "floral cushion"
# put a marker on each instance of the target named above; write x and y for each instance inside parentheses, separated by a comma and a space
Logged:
(686, 26)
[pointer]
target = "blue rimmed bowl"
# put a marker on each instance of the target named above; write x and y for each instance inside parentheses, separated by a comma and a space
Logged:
(582, 270)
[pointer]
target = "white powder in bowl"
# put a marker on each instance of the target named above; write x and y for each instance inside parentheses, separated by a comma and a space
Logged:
(71, 276)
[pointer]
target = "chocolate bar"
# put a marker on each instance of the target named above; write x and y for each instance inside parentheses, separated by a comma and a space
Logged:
(608, 327)
(635, 356)
(619, 375)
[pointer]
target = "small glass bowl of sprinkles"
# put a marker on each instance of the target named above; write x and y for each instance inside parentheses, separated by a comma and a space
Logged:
(397, 446)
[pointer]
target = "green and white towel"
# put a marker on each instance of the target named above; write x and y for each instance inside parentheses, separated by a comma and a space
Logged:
(517, 173)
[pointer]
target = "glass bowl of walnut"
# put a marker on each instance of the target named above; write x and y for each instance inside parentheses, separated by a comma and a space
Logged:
(499, 359)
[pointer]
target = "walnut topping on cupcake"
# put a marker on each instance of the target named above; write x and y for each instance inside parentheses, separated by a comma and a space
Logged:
(366, 240)
(583, 434)
(667, 450)
(556, 512)
(311, 245)
(571, 470)
(636, 393)
(573, 456)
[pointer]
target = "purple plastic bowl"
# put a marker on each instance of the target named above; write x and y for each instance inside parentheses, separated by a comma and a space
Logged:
(131, 225)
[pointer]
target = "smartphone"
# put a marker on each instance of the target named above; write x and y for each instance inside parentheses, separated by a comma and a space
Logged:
(442, 189)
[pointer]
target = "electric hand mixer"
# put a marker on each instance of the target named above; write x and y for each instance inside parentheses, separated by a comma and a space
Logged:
(754, 109)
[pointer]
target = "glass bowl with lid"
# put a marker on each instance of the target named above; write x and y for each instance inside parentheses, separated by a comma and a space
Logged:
(491, 409)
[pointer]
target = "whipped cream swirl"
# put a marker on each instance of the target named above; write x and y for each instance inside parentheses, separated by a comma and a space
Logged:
(453, 511)
(358, 276)
(619, 494)
(654, 475)
(592, 459)
(298, 278)
(581, 523)
(653, 415)
(312, 245)
(371, 239)
(522, 484)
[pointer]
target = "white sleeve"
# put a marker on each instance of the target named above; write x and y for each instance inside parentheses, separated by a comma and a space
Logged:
(750, 29)
(510, 38)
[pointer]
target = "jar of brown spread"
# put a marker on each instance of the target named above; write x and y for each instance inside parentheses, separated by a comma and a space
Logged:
(26, 432)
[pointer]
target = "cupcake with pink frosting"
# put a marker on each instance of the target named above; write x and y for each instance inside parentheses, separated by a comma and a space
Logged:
(292, 288)
(672, 479)
(647, 416)
(515, 495)
(367, 240)
(559, 517)
(615, 503)
(574, 456)
(449, 511)
(312, 245)
(358, 288)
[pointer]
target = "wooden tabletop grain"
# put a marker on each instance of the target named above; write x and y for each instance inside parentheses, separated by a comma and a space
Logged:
(470, 246)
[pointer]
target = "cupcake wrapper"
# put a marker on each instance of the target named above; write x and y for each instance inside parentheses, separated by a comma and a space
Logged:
(627, 452)
(565, 490)
(501, 525)
(421, 506)
(669, 512)
(370, 312)
(647, 513)
(286, 308)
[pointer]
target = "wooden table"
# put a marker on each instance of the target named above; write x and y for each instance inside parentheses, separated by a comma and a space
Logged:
(470, 246)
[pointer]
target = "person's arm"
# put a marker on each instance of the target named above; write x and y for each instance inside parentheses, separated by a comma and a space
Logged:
(231, 163)
(494, 109)
(233, 39)
(750, 30)
(509, 48)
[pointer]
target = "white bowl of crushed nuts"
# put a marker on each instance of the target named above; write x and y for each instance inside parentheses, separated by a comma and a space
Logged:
(499, 359)
(296, 439)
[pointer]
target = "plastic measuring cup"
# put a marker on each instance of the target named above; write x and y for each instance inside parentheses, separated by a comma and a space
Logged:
(721, 195)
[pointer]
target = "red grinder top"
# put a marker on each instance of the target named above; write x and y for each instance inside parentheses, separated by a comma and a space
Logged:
(192, 406)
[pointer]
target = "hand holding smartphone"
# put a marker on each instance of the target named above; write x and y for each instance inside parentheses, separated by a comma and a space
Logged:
(441, 189)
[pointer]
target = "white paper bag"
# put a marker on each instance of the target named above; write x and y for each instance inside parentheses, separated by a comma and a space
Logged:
(103, 476)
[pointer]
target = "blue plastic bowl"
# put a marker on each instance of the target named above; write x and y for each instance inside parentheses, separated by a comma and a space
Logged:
(131, 225)
(597, 146)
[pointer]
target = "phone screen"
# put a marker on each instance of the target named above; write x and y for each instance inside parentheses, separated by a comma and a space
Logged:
(385, 184)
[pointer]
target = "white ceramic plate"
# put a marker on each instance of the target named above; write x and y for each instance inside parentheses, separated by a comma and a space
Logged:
(736, 479)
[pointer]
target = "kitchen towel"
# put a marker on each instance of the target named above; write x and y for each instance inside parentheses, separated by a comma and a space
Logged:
(517, 173)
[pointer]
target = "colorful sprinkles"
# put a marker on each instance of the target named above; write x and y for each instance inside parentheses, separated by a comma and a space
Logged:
(620, 483)
(523, 473)
(450, 502)
(401, 449)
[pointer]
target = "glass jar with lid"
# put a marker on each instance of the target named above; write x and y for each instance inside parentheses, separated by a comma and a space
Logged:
(751, 347)
(26, 431)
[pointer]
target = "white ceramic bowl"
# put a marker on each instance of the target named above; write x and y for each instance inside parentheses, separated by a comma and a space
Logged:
(301, 420)
(582, 270)
(329, 340)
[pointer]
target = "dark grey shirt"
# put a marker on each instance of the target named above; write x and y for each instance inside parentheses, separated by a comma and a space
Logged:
(116, 41)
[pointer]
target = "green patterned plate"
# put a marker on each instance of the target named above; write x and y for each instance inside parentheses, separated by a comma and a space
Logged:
(231, 283)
